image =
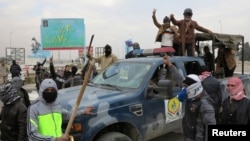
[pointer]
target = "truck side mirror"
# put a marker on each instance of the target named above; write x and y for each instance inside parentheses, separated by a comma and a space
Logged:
(164, 90)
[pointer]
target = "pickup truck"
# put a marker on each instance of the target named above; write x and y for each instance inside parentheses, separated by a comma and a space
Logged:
(125, 105)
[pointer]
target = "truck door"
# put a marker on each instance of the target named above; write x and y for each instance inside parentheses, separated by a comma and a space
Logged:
(160, 114)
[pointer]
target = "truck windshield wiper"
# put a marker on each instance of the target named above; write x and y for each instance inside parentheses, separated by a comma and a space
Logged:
(112, 86)
(106, 77)
(91, 84)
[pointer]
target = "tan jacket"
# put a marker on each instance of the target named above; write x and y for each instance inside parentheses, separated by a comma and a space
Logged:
(105, 61)
(162, 29)
(228, 56)
(3, 70)
(187, 31)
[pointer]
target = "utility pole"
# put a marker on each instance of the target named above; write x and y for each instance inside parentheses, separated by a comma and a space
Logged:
(220, 26)
(10, 39)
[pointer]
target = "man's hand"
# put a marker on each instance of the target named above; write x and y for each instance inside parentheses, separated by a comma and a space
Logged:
(154, 11)
(51, 59)
(171, 16)
(89, 56)
(182, 95)
(63, 138)
(88, 110)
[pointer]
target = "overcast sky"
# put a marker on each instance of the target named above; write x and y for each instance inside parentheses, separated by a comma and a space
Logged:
(114, 21)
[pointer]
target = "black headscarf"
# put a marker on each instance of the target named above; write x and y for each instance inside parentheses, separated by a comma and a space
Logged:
(13, 61)
(8, 94)
(107, 50)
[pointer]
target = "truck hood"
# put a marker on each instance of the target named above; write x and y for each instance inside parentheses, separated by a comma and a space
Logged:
(93, 96)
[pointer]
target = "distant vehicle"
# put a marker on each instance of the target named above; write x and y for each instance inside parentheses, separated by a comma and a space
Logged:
(229, 40)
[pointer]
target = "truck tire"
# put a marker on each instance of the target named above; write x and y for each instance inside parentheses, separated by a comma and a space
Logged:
(114, 136)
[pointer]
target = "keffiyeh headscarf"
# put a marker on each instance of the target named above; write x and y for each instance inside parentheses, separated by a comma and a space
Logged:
(204, 75)
(204, 72)
(235, 88)
(8, 94)
(17, 82)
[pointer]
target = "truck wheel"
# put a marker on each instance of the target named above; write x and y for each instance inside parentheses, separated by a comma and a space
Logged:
(114, 136)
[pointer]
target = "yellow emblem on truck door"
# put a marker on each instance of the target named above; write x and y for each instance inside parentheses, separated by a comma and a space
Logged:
(173, 109)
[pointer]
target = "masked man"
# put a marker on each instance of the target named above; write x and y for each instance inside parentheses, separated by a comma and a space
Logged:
(107, 59)
(199, 111)
(45, 116)
(187, 28)
(13, 115)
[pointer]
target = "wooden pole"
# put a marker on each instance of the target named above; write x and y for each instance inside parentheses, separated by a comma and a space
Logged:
(78, 100)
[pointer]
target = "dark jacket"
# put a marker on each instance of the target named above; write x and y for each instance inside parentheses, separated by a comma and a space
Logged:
(238, 112)
(66, 75)
(74, 80)
(209, 61)
(13, 126)
(198, 114)
(37, 67)
(58, 79)
(15, 70)
(24, 97)
(212, 87)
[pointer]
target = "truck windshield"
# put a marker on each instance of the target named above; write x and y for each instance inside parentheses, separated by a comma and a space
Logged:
(121, 74)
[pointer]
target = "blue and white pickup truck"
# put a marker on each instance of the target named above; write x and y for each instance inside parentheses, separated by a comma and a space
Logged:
(126, 108)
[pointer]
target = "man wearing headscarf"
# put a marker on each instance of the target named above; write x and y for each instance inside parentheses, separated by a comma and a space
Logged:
(107, 59)
(199, 112)
(41, 114)
(13, 115)
(17, 82)
(167, 35)
(212, 87)
(236, 107)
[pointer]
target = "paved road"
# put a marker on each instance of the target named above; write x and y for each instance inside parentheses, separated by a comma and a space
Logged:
(31, 89)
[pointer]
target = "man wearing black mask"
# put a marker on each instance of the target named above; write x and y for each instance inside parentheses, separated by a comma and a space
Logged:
(13, 115)
(107, 59)
(43, 112)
